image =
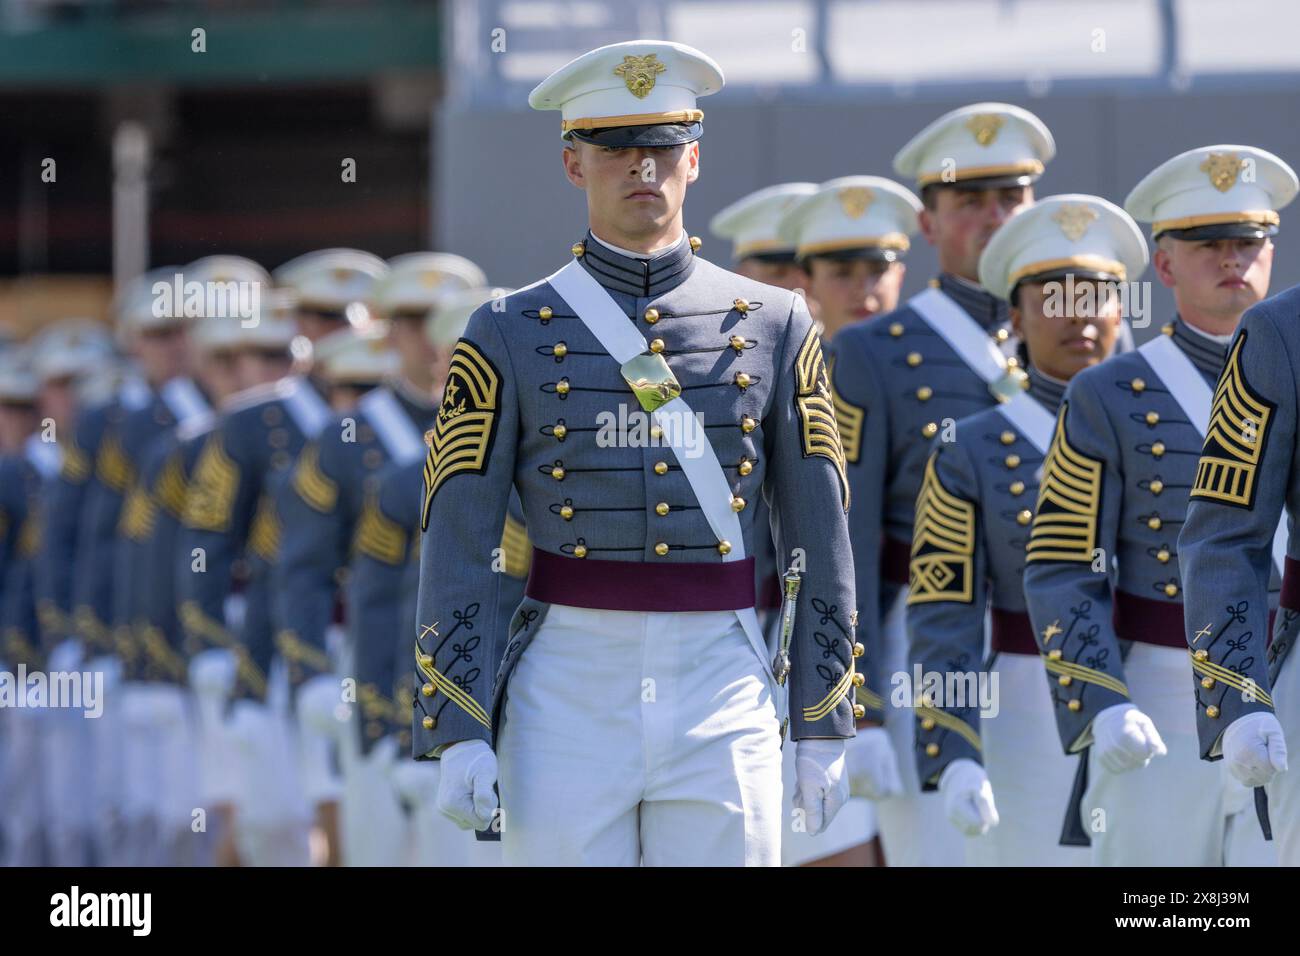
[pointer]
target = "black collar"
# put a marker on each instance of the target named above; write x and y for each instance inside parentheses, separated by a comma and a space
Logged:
(1205, 354)
(646, 278)
(986, 309)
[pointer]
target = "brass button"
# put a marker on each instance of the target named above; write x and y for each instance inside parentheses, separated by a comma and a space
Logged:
(859, 711)
(738, 343)
(748, 424)
(656, 431)
(1154, 522)
(932, 750)
(560, 431)
(578, 248)
(742, 379)
(1157, 486)
(566, 512)
(426, 660)
(545, 312)
(1202, 654)
(927, 723)
(1167, 329)
(562, 387)
(1013, 461)
(740, 305)
(724, 547)
(1065, 680)
(914, 359)
(1137, 385)
(696, 242)
(1158, 449)
(1207, 683)
(924, 393)
(859, 680)
(858, 649)
(1002, 335)
(737, 504)
(1013, 362)
(428, 723)
(1024, 517)
(1017, 488)
(427, 690)
(1074, 705)
(1211, 712)
(580, 551)
(560, 350)
(1163, 555)
(895, 329)
(1171, 589)
(652, 316)
(557, 473)
(930, 430)
(746, 466)
(1007, 437)
(657, 346)
(661, 468)
(661, 549)
(1153, 418)
(1054, 654)
(662, 508)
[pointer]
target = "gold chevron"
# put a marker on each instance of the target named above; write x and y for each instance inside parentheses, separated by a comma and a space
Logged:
(848, 419)
(821, 434)
(264, 533)
(943, 544)
(112, 466)
(313, 485)
(212, 496)
(378, 536)
(76, 466)
(466, 422)
(169, 490)
(138, 514)
(516, 548)
(1069, 499)
(1229, 459)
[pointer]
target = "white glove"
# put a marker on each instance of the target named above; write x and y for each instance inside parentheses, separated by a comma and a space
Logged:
(1125, 739)
(821, 786)
(317, 705)
(872, 767)
(968, 797)
(465, 794)
(1254, 748)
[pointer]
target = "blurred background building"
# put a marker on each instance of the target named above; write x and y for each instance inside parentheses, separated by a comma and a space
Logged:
(234, 139)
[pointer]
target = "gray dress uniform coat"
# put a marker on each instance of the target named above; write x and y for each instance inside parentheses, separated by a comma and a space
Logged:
(527, 383)
(1103, 565)
(321, 505)
(896, 382)
(973, 516)
(1247, 474)
(230, 513)
(20, 543)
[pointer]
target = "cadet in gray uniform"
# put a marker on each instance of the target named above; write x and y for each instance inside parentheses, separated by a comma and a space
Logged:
(972, 524)
(898, 378)
(1245, 689)
(1103, 566)
(637, 713)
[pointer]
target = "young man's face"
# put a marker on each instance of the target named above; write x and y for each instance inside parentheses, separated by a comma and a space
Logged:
(787, 275)
(632, 193)
(58, 401)
(1061, 340)
(850, 290)
(164, 352)
(1221, 278)
(17, 422)
(409, 341)
(962, 221)
(218, 372)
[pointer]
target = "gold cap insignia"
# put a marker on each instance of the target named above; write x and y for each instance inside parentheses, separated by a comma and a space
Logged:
(639, 73)
(854, 200)
(340, 274)
(985, 127)
(1222, 168)
(431, 280)
(1074, 220)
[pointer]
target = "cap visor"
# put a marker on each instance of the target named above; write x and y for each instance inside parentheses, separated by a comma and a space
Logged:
(631, 137)
(872, 253)
(989, 182)
(1222, 230)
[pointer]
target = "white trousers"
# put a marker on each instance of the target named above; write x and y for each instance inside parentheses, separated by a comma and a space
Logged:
(106, 734)
(640, 737)
(1179, 810)
(1030, 773)
(914, 828)
(374, 828)
(65, 767)
(23, 814)
(272, 820)
(1284, 790)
